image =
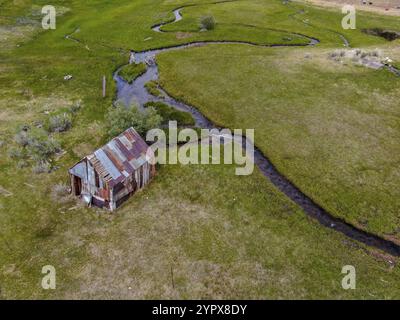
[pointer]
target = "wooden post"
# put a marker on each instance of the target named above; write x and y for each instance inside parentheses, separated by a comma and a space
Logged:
(104, 86)
(172, 278)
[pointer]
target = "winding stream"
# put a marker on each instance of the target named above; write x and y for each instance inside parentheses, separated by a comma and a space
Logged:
(136, 91)
(178, 17)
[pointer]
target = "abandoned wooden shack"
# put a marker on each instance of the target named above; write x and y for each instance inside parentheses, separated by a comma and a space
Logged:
(114, 172)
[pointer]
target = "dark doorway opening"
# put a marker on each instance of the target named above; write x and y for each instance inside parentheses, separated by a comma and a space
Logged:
(77, 185)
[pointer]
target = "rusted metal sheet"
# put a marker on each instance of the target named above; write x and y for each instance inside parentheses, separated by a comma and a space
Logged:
(79, 170)
(98, 202)
(114, 158)
(124, 150)
(107, 164)
(128, 167)
(114, 148)
(125, 141)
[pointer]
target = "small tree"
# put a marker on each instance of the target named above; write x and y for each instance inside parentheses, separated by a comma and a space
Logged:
(207, 22)
(60, 123)
(121, 118)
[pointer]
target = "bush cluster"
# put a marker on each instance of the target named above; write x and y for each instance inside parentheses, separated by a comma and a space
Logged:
(207, 22)
(60, 123)
(121, 117)
(35, 145)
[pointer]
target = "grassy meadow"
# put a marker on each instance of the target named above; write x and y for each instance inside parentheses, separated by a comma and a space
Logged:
(331, 128)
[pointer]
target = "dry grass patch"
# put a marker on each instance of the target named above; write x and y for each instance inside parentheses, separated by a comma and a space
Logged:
(10, 36)
(378, 6)
(83, 149)
(183, 35)
(294, 61)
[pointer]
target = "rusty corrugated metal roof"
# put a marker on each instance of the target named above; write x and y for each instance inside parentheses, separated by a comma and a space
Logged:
(120, 157)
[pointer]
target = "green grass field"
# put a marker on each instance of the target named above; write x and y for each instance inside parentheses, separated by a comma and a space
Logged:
(331, 128)
(130, 72)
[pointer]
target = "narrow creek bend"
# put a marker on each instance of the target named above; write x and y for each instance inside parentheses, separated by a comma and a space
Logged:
(137, 92)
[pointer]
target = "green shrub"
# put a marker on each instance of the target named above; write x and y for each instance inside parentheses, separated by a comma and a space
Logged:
(121, 118)
(41, 147)
(22, 164)
(131, 71)
(22, 138)
(16, 153)
(61, 193)
(376, 53)
(75, 107)
(337, 54)
(44, 150)
(33, 144)
(41, 167)
(168, 113)
(207, 22)
(59, 123)
(389, 35)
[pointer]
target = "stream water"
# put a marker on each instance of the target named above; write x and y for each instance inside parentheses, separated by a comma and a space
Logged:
(178, 17)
